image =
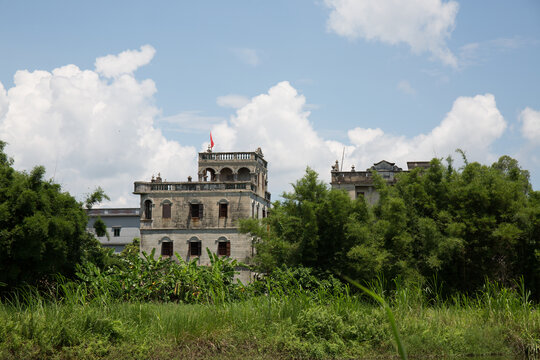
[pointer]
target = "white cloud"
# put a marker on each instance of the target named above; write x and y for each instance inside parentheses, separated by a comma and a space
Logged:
(124, 63)
(472, 124)
(89, 131)
(424, 25)
(405, 87)
(232, 101)
(247, 56)
(279, 123)
(531, 124)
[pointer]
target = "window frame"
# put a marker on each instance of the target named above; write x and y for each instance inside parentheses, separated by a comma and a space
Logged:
(224, 248)
(199, 211)
(148, 209)
(169, 246)
(195, 248)
(166, 209)
(223, 210)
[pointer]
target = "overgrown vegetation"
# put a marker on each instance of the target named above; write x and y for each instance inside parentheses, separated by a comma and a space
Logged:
(449, 259)
(42, 229)
(460, 225)
(296, 316)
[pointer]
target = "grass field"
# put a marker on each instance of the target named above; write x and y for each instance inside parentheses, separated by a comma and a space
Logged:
(307, 325)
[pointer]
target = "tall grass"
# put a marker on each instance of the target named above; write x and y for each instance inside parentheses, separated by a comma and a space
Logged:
(291, 314)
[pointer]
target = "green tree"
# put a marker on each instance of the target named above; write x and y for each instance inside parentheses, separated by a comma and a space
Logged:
(42, 229)
(309, 227)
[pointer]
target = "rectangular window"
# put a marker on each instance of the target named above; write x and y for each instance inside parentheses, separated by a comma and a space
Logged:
(166, 211)
(196, 211)
(116, 232)
(167, 248)
(222, 210)
(195, 248)
(224, 248)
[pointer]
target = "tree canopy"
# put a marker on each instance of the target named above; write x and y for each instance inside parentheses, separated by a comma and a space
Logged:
(42, 228)
(461, 225)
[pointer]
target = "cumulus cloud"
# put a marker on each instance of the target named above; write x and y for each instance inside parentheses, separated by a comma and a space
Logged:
(472, 124)
(530, 128)
(232, 101)
(124, 63)
(88, 130)
(424, 25)
(247, 56)
(278, 122)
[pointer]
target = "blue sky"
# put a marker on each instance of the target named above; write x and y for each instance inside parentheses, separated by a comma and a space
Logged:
(302, 79)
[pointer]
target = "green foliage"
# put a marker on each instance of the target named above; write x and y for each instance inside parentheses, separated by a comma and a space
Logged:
(42, 229)
(145, 278)
(100, 227)
(285, 326)
(459, 225)
(308, 228)
(95, 197)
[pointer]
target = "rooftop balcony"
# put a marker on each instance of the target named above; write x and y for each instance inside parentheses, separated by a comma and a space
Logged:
(208, 157)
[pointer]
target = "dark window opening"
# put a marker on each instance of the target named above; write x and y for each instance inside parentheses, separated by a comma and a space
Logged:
(222, 210)
(167, 248)
(195, 248)
(264, 214)
(116, 232)
(166, 211)
(224, 248)
(148, 210)
(196, 211)
(359, 193)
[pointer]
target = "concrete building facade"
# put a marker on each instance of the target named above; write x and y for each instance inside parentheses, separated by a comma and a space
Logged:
(360, 183)
(190, 216)
(122, 226)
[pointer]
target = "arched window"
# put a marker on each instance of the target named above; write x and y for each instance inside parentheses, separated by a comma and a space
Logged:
(226, 174)
(223, 208)
(166, 247)
(224, 246)
(195, 210)
(195, 246)
(209, 174)
(166, 209)
(244, 174)
(148, 210)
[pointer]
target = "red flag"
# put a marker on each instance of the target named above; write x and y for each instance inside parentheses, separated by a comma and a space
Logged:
(211, 141)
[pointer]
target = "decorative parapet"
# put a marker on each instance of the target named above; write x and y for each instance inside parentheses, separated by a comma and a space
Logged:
(146, 187)
(206, 157)
(351, 177)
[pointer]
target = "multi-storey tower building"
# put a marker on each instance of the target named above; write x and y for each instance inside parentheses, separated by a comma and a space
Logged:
(188, 217)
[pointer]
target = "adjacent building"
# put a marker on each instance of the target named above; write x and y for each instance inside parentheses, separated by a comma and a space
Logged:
(360, 183)
(188, 217)
(122, 226)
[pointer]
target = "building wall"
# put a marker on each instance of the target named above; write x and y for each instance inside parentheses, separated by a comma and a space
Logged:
(126, 220)
(236, 179)
(241, 244)
(240, 205)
